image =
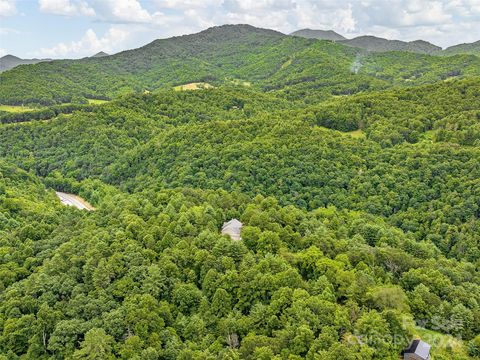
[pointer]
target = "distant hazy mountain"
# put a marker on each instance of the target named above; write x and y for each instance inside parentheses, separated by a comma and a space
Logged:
(100, 54)
(469, 48)
(319, 34)
(373, 43)
(9, 62)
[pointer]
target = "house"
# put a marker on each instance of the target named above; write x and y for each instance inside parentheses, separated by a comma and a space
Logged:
(418, 350)
(233, 228)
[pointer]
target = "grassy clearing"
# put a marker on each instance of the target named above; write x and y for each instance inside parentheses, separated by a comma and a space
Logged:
(21, 109)
(193, 86)
(15, 108)
(96, 101)
(357, 134)
(441, 344)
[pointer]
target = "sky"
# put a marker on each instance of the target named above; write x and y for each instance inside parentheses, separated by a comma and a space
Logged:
(79, 28)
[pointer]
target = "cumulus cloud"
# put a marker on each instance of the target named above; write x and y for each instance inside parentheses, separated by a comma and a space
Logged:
(253, 6)
(124, 11)
(443, 22)
(7, 7)
(89, 44)
(188, 4)
(309, 14)
(405, 13)
(66, 7)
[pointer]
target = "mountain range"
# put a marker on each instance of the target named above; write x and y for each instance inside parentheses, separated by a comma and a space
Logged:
(227, 54)
(8, 62)
(366, 42)
(378, 44)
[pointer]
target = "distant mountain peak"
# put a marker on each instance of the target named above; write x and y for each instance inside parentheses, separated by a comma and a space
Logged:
(215, 37)
(378, 44)
(10, 57)
(100, 54)
(9, 61)
(319, 34)
(237, 29)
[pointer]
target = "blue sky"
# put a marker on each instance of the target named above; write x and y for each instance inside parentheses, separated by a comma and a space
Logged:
(78, 28)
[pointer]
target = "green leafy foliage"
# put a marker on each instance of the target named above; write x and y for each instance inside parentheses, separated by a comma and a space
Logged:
(358, 194)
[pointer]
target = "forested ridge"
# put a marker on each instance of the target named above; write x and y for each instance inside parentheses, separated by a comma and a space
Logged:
(359, 195)
(225, 54)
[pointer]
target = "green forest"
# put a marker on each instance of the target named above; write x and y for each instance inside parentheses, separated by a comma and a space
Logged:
(358, 190)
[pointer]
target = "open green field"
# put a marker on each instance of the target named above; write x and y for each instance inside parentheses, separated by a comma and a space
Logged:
(15, 108)
(21, 109)
(96, 101)
(442, 345)
(193, 86)
(357, 134)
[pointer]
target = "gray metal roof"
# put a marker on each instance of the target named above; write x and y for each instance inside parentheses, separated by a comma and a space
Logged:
(419, 348)
(234, 223)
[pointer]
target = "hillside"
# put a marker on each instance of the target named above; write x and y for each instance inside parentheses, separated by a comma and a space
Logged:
(378, 44)
(318, 34)
(228, 54)
(355, 175)
(373, 43)
(180, 135)
(471, 48)
(333, 224)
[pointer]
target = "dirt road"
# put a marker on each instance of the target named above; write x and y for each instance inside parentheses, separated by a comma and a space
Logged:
(74, 200)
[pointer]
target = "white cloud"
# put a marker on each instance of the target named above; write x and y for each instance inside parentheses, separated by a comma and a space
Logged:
(405, 13)
(89, 44)
(188, 4)
(123, 11)
(66, 7)
(3, 52)
(467, 8)
(8, 7)
(443, 22)
(282, 15)
(253, 6)
(310, 14)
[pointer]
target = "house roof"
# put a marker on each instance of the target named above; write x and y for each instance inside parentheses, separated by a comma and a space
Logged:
(420, 348)
(232, 223)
